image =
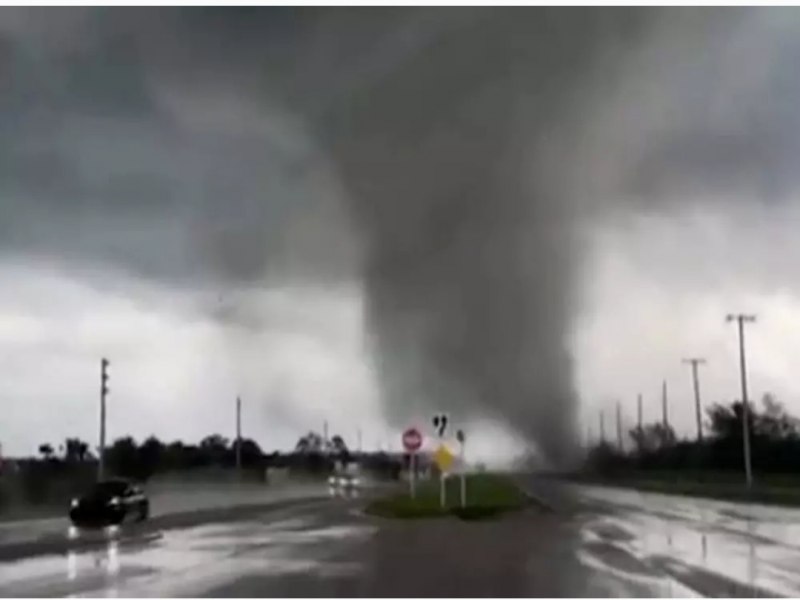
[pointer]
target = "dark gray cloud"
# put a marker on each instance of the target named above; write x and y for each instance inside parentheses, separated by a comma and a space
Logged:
(446, 159)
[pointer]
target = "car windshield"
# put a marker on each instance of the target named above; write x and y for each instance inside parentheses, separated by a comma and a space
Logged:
(109, 488)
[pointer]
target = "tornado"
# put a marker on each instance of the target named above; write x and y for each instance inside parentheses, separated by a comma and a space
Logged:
(454, 173)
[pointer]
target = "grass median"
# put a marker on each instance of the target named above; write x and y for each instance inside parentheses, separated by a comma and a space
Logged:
(775, 490)
(488, 495)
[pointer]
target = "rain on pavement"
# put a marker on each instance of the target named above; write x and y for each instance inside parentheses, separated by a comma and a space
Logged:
(614, 543)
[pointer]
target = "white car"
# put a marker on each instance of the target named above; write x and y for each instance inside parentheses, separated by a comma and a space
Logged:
(345, 478)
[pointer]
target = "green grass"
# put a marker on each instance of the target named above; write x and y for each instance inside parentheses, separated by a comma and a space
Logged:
(780, 490)
(488, 496)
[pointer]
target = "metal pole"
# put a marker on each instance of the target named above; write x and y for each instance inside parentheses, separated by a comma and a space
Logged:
(748, 469)
(602, 428)
(463, 477)
(664, 407)
(238, 434)
(697, 405)
(103, 392)
(619, 426)
(413, 474)
(639, 412)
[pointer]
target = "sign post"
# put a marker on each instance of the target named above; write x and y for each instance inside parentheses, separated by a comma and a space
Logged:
(412, 441)
(440, 426)
(444, 460)
(461, 439)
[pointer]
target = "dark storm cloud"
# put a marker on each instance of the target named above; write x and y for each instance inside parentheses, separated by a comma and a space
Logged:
(199, 146)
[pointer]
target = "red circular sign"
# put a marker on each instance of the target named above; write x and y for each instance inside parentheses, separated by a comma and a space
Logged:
(412, 439)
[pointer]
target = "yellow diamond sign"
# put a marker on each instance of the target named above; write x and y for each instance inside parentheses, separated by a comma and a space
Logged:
(444, 458)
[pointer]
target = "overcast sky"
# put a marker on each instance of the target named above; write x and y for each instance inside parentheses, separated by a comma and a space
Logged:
(169, 199)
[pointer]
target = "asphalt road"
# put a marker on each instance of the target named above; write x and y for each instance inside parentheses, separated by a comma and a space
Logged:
(596, 542)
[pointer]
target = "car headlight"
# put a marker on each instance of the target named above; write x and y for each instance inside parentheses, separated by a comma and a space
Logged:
(74, 503)
(114, 501)
(331, 480)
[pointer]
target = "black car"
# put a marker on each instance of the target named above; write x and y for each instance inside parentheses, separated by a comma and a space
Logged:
(110, 502)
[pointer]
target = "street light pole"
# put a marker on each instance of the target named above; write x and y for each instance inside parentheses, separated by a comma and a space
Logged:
(238, 434)
(602, 428)
(741, 319)
(697, 406)
(103, 393)
(639, 412)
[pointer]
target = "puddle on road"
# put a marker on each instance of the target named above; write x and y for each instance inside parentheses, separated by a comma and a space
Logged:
(179, 562)
(192, 560)
(699, 555)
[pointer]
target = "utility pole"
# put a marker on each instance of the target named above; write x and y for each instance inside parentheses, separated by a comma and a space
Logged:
(325, 435)
(664, 407)
(741, 319)
(360, 449)
(619, 426)
(238, 434)
(103, 393)
(602, 428)
(639, 412)
(696, 382)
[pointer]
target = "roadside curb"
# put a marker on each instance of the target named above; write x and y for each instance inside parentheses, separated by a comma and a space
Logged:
(537, 499)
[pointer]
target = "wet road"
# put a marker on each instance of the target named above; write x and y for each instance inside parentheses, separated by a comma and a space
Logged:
(678, 546)
(598, 542)
(167, 500)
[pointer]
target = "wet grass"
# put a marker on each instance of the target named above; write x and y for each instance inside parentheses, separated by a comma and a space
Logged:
(779, 491)
(488, 496)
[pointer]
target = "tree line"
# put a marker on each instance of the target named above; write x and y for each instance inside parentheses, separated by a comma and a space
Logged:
(774, 436)
(127, 458)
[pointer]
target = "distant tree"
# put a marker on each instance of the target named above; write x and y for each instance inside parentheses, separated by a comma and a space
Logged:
(251, 452)
(652, 437)
(311, 443)
(122, 457)
(175, 455)
(46, 450)
(151, 456)
(338, 448)
(75, 450)
(773, 422)
(214, 449)
(725, 420)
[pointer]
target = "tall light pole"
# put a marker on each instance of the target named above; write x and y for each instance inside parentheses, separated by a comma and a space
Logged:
(741, 319)
(238, 434)
(696, 382)
(619, 427)
(602, 428)
(664, 405)
(639, 412)
(103, 393)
